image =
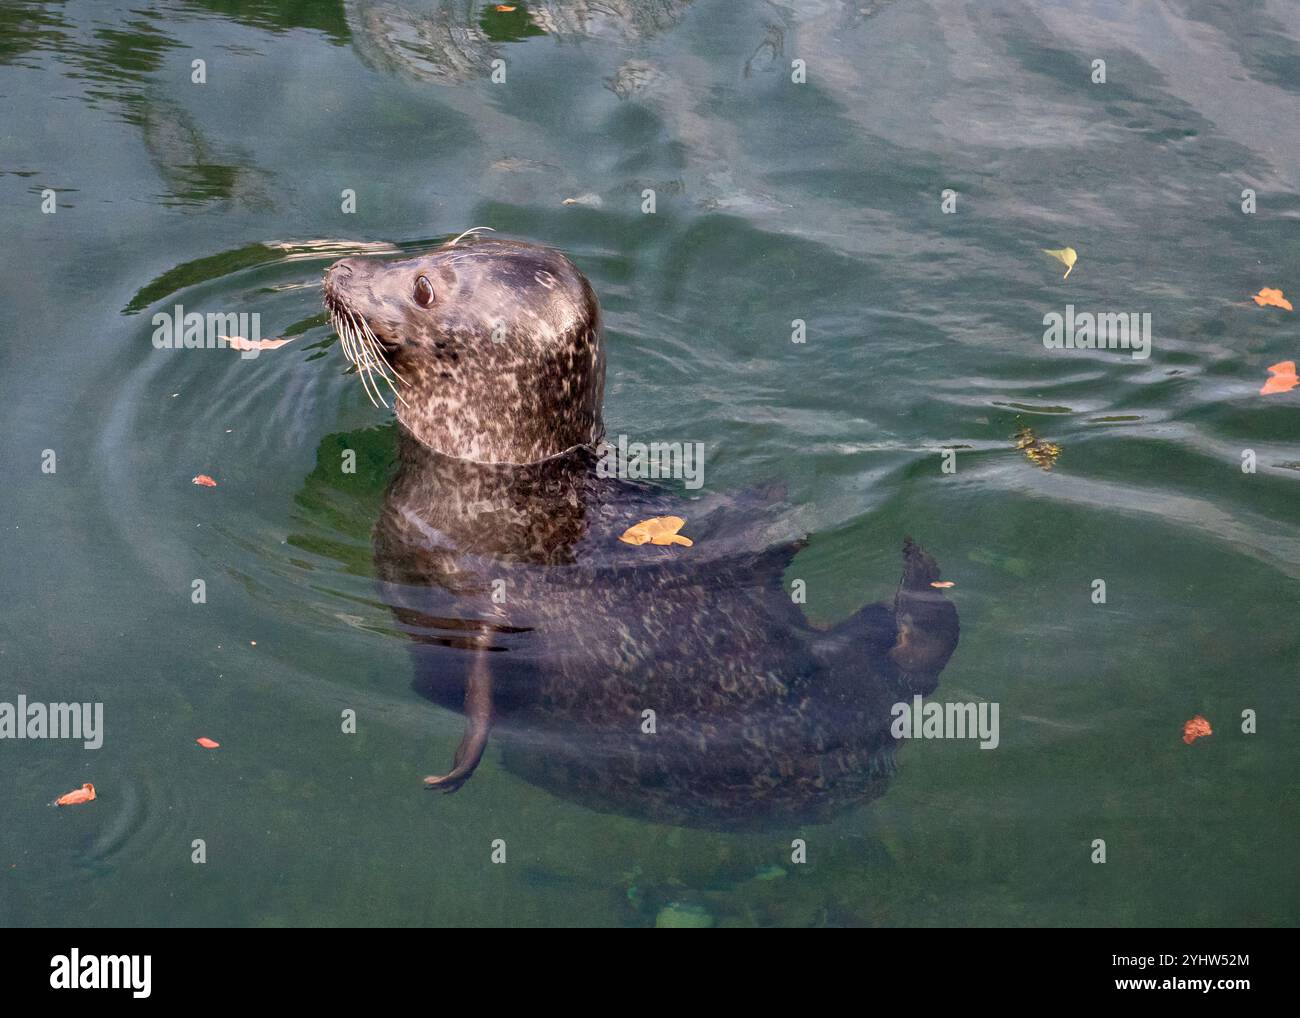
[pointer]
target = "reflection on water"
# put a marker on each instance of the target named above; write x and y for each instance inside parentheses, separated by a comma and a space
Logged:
(454, 42)
(687, 689)
(775, 201)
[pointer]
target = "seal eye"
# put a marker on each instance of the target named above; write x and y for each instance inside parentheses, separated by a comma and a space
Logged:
(423, 292)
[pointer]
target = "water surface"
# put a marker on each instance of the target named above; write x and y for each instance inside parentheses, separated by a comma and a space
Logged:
(776, 201)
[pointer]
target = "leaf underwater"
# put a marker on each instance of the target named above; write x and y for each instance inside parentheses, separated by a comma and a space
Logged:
(659, 530)
(1040, 453)
(1067, 256)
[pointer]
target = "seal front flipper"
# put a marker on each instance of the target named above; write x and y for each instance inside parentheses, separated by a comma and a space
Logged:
(478, 722)
(926, 621)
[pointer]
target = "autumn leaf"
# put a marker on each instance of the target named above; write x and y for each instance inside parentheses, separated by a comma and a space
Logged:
(1067, 256)
(1270, 298)
(240, 343)
(207, 743)
(1195, 729)
(660, 530)
(1283, 380)
(1040, 453)
(75, 798)
(204, 481)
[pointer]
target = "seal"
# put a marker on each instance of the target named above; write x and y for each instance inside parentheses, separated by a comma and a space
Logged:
(492, 351)
(679, 684)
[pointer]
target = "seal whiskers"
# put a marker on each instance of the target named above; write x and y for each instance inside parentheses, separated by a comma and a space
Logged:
(469, 233)
(363, 349)
(379, 361)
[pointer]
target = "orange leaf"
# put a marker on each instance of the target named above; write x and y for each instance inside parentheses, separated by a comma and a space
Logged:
(659, 530)
(1283, 380)
(207, 743)
(1195, 729)
(942, 584)
(205, 481)
(1270, 298)
(83, 794)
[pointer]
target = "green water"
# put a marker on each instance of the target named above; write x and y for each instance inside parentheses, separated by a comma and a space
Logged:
(776, 201)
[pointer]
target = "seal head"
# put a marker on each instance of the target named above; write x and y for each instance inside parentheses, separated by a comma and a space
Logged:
(492, 348)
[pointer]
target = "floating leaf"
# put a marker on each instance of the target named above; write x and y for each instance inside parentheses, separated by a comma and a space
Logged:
(1283, 380)
(240, 343)
(1040, 453)
(1067, 256)
(75, 798)
(659, 530)
(1270, 298)
(1195, 729)
(204, 481)
(207, 743)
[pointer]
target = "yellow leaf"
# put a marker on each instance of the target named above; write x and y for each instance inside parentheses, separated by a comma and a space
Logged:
(659, 530)
(1067, 256)
(1040, 453)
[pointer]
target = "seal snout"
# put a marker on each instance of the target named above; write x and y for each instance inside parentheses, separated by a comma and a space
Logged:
(337, 277)
(348, 297)
(361, 344)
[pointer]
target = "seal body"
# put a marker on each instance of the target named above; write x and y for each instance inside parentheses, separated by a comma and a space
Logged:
(680, 684)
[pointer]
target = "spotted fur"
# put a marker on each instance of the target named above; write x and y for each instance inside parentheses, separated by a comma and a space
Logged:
(506, 366)
(757, 713)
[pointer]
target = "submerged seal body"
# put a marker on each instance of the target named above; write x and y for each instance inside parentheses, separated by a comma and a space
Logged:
(681, 684)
